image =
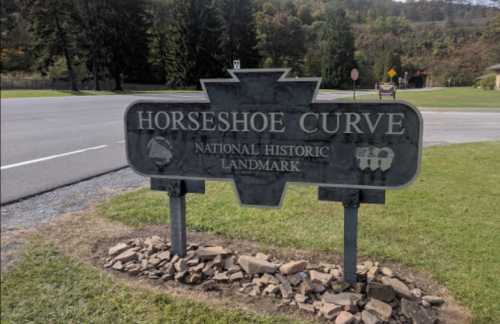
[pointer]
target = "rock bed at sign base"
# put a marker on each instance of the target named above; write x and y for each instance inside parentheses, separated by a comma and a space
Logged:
(379, 296)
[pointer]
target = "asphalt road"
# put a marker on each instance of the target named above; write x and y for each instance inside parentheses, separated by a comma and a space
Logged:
(50, 142)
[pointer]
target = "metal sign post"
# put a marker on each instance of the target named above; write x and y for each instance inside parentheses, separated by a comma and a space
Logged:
(178, 223)
(351, 199)
(351, 205)
(354, 77)
(177, 190)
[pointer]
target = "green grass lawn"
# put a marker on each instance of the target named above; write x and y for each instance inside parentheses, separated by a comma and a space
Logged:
(446, 223)
(447, 98)
(6, 94)
(47, 287)
(48, 93)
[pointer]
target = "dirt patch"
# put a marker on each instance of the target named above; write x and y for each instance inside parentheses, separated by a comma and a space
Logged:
(12, 244)
(87, 237)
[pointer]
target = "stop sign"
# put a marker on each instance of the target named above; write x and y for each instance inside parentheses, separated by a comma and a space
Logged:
(354, 74)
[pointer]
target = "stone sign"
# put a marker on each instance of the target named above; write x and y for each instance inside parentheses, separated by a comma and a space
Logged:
(263, 130)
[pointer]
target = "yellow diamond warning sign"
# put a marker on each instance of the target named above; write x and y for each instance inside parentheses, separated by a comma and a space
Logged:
(392, 73)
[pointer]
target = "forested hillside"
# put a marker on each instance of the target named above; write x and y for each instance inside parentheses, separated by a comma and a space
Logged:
(176, 42)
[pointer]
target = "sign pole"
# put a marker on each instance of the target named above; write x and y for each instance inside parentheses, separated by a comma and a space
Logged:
(351, 205)
(178, 223)
(354, 77)
(351, 199)
(177, 190)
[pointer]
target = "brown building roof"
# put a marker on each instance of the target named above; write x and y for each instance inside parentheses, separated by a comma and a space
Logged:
(495, 68)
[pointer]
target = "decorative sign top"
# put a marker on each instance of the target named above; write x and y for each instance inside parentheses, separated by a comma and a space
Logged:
(263, 130)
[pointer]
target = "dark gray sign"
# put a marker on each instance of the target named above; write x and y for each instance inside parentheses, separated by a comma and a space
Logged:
(263, 130)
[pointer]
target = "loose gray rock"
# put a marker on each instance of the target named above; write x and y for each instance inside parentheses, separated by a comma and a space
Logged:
(229, 262)
(118, 266)
(165, 255)
(221, 277)
(343, 299)
(267, 279)
(180, 266)
(236, 276)
(153, 262)
(320, 277)
(134, 270)
(387, 272)
(344, 318)
(169, 269)
(399, 287)
(253, 265)
(192, 262)
(369, 318)
(380, 291)
(339, 287)
(306, 287)
(330, 311)
(286, 290)
(293, 267)
(299, 298)
(318, 288)
(433, 300)
(271, 289)
(336, 273)
(211, 252)
(295, 279)
(416, 292)
(371, 274)
(180, 276)
(127, 256)
(194, 278)
(306, 307)
(117, 249)
(379, 308)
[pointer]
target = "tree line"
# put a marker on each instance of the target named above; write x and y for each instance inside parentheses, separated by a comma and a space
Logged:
(177, 42)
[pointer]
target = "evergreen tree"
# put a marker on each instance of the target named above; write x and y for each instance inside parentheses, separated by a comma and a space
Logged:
(203, 41)
(195, 45)
(239, 39)
(161, 17)
(125, 40)
(91, 38)
(178, 64)
(280, 38)
(337, 49)
(52, 26)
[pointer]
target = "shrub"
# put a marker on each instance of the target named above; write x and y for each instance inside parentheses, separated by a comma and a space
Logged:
(487, 82)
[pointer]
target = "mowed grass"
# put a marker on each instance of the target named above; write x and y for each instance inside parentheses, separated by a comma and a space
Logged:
(6, 94)
(446, 223)
(47, 287)
(446, 98)
(9, 94)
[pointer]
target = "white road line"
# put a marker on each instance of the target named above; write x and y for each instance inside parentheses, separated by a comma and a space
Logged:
(9, 166)
(120, 142)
